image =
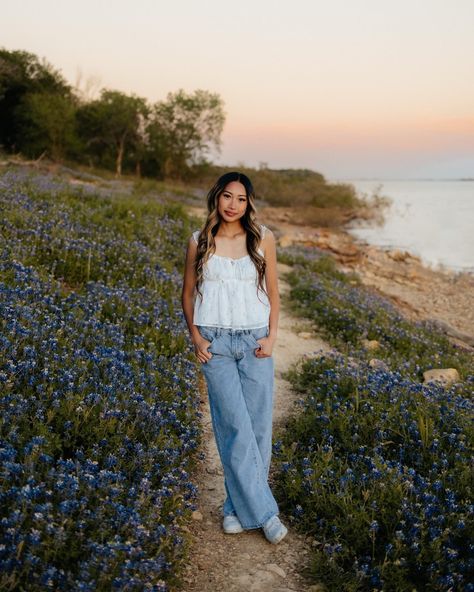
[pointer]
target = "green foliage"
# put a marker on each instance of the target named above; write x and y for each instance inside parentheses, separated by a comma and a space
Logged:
(111, 127)
(48, 124)
(171, 139)
(23, 74)
(40, 113)
(94, 237)
(304, 190)
(183, 129)
(316, 261)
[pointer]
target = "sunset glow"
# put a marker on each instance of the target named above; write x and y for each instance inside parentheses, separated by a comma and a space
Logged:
(348, 89)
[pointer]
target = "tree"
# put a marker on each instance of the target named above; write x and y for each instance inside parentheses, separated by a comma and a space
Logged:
(184, 129)
(47, 124)
(21, 75)
(113, 123)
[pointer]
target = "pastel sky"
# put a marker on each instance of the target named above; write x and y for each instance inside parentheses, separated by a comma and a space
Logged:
(350, 88)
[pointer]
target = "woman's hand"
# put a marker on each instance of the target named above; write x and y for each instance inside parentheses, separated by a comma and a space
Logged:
(266, 347)
(200, 349)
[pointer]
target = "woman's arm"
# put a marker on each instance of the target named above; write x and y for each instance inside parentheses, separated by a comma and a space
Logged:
(271, 283)
(187, 302)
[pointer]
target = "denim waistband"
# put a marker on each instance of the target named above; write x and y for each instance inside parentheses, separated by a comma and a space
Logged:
(226, 330)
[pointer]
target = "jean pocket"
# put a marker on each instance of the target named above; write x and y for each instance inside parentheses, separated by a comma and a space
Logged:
(258, 334)
(253, 340)
(207, 334)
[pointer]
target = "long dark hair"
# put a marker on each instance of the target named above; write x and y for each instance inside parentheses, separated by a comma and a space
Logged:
(206, 242)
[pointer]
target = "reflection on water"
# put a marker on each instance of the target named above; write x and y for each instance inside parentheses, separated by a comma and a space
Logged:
(431, 219)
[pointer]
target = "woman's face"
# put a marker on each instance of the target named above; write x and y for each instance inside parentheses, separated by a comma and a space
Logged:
(232, 202)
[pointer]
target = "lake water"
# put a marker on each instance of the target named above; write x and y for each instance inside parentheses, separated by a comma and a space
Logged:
(431, 219)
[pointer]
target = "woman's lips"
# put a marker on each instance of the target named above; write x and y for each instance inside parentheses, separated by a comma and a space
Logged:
(230, 213)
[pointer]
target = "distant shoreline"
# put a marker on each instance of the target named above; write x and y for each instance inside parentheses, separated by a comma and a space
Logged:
(431, 219)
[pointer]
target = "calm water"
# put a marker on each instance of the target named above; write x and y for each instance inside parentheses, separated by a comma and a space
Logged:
(431, 219)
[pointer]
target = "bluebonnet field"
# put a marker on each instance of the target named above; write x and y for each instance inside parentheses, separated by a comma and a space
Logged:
(377, 467)
(98, 392)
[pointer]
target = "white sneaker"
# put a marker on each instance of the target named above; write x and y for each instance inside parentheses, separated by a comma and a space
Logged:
(232, 524)
(274, 530)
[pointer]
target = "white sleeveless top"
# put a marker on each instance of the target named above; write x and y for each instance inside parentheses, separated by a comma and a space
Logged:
(229, 293)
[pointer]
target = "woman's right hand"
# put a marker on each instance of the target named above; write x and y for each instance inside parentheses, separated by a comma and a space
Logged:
(200, 349)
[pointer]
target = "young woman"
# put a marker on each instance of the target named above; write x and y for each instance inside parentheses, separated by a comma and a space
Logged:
(231, 304)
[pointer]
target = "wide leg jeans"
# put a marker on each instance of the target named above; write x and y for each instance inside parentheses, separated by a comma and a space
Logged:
(240, 389)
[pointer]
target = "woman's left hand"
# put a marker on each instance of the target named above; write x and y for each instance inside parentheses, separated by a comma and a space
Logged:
(266, 347)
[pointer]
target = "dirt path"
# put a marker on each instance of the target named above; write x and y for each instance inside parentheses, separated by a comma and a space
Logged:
(246, 561)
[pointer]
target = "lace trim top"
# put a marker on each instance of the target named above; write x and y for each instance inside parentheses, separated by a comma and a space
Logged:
(229, 293)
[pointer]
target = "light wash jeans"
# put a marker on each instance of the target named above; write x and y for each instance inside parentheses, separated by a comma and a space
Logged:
(240, 390)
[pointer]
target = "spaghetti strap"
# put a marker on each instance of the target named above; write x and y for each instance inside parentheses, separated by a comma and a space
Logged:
(196, 235)
(263, 228)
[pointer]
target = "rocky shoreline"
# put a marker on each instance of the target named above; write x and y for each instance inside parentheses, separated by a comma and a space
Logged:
(442, 296)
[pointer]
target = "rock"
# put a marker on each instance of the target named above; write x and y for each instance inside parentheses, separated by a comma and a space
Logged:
(378, 365)
(339, 245)
(310, 241)
(305, 335)
(245, 556)
(273, 567)
(196, 515)
(442, 375)
(371, 344)
(398, 255)
(317, 588)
